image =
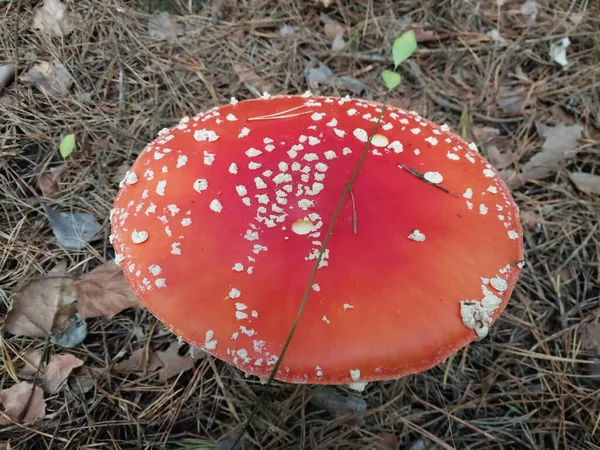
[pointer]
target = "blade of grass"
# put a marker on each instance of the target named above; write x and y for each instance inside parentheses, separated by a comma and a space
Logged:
(308, 289)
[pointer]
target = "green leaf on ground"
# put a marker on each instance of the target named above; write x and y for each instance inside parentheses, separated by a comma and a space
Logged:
(391, 79)
(67, 145)
(403, 47)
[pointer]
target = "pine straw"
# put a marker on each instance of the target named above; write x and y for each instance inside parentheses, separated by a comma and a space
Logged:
(525, 386)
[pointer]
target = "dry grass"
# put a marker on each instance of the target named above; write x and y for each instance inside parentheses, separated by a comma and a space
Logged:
(526, 386)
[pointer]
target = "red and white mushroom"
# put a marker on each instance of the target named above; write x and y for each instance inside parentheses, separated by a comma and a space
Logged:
(219, 222)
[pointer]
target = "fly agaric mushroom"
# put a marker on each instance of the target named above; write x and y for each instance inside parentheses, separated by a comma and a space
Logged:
(220, 220)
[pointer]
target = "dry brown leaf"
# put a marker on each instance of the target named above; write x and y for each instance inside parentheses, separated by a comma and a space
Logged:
(162, 26)
(40, 304)
(53, 18)
(47, 184)
(332, 27)
(338, 404)
(484, 134)
(388, 441)
(173, 363)
(423, 35)
(253, 82)
(138, 362)
(500, 159)
(48, 181)
(512, 100)
(168, 363)
(50, 78)
(591, 343)
(587, 183)
(104, 292)
(16, 398)
(560, 142)
(120, 172)
(54, 374)
(530, 219)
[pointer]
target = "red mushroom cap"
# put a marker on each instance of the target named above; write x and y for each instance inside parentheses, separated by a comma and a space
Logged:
(219, 222)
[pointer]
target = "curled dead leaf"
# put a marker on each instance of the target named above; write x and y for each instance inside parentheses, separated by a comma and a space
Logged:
(104, 292)
(16, 398)
(50, 78)
(52, 375)
(54, 18)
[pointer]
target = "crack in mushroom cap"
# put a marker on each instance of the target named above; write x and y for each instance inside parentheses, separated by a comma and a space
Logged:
(236, 211)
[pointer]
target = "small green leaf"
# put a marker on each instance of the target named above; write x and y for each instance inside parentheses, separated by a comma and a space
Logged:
(67, 145)
(391, 79)
(403, 47)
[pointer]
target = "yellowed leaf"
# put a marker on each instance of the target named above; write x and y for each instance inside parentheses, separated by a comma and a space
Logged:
(104, 292)
(15, 399)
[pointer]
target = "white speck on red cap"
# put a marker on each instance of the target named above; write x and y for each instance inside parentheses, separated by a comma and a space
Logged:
(433, 177)
(417, 236)
(137, 237)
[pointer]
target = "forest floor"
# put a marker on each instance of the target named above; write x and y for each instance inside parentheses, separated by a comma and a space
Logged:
(113, 73)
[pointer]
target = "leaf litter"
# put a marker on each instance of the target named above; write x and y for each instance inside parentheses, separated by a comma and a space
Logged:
(73, 230)
(53, 18)
(41, 305)
(338, 404)
(16, 399)
(163, 27)
(559, 143)
(52, 78)
(52, 375)
(166, 363)
(587, 183)
(104, 292)
(56, 305)
(318, 74)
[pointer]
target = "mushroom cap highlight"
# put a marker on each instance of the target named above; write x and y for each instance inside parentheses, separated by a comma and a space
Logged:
(219, 222)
